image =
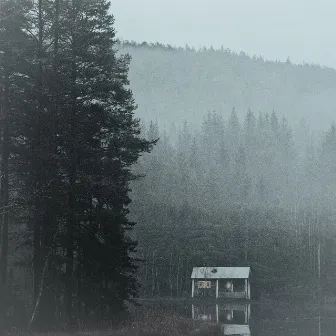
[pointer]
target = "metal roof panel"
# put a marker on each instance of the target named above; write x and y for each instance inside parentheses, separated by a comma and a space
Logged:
(220, 273)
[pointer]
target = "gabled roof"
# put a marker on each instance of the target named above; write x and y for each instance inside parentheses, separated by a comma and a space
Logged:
(220, 273)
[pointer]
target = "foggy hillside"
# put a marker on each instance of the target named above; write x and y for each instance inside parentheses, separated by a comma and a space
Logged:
(236, 192)
(171, 84)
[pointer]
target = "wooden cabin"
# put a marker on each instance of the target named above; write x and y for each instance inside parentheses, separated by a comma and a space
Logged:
(221, 282)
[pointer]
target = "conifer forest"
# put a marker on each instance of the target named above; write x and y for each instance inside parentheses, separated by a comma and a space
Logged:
(123, 165)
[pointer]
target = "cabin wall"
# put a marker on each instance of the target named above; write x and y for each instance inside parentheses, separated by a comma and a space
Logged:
(237, 290)
(204, 292)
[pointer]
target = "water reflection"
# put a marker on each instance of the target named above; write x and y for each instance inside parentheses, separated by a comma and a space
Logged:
(234, 318)
(267, 318)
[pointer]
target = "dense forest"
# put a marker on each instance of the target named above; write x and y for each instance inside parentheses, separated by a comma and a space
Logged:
(171, 83)
(237, 192)
(99, 207)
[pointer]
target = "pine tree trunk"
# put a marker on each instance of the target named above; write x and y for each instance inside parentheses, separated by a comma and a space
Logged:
(247, 238)
(56, 84)
(153, 277)
(157, 281)
(146, 273)
(71, 220)
(4, 189)
(181, 278)
(177, 276)
(171, 274)
(37, 251)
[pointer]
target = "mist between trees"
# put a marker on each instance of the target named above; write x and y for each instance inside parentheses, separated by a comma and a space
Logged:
(234, 192)
(181, 84)
(230, 193)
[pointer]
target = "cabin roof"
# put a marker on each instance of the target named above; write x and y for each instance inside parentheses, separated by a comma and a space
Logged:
(220, 273)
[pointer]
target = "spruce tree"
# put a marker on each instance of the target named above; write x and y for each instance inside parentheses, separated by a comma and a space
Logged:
(75, 142)
(100, 143)
(36, 154)
(13, 41)
(327, 169)
(233, 133)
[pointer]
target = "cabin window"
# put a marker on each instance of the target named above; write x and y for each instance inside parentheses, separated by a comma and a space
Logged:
(204, 284)
(240, 285)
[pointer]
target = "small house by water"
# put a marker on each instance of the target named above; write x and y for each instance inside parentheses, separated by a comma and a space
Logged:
(221, 282)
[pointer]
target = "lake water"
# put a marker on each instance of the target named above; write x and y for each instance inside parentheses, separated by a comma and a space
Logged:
(271, 317)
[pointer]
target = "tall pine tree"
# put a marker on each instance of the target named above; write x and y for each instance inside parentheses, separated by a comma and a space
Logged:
(75, 140)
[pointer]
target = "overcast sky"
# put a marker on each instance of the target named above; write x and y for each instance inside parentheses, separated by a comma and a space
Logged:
(305, 30)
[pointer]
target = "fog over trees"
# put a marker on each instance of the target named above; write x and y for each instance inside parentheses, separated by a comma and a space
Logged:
(243, 173)
(181, 83)
(231, 163)
(237, 192)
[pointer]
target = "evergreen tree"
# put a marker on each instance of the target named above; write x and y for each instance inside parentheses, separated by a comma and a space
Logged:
(75, 140)
(233, 133)
(37, 159)
(327, 167)
(274, 122)
(100, 143)
(13, 41)
(153, 132)
(250, 140)
(250, 127)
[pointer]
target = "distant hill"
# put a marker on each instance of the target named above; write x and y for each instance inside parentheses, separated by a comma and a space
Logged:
(182, 84)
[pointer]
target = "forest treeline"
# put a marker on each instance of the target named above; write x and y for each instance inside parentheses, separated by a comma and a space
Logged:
(71, 153)
(237, 192)
(68, 141)
(174, 83)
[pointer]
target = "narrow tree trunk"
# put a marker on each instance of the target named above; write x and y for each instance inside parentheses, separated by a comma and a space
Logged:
(157, 281)
(246, 238)
(56, 34)
(4, 188)
(146, 272)
(37, 252)
(70, 263)
(171, 274)
(153, 278)
(177, 276)
(181, 278)
(71, 220)
(309, 240)
(187, 277)
(56, 84)
(43, 277)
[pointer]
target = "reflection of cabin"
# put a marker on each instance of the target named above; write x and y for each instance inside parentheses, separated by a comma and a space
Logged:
(227, 313)
(233, 318)
(235, 329)
(221, 282)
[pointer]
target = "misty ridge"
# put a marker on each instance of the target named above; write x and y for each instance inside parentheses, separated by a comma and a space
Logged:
(182, 84)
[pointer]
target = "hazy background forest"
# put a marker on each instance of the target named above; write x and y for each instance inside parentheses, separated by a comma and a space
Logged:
(231, 180)
(180, 84)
